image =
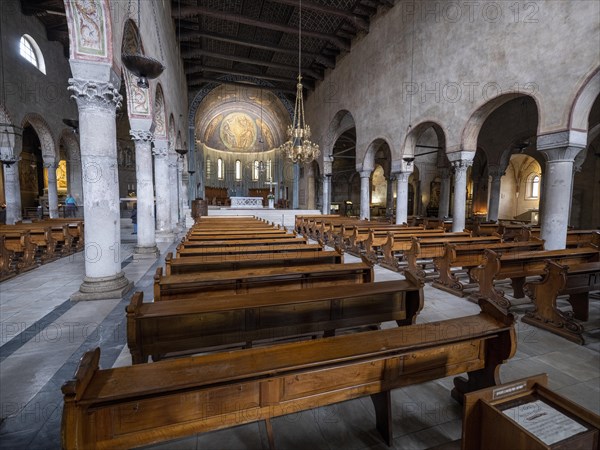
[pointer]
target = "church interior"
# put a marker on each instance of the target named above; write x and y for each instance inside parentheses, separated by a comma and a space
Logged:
(189, 188)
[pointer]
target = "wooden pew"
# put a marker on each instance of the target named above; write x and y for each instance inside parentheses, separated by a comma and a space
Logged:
(183, 251)
(266, 279)
(178, 266)
(485, 228)
(576, 281)
(164, 328)
(519, 265)
(75, 227)
(240, 235)
(45, 249)
(23, 249)
(148, 403)
(7, 270)
(355, 243)
(377, 238)
(283, 240)
(301, 221)
(467, 256)
(397, 244)
(432, 247)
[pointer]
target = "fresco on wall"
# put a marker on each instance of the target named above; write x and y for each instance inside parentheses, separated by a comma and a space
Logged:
(238, 132)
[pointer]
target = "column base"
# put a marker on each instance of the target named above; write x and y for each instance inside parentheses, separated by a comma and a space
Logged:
(165, 236)
(145, 253)
(103, 288)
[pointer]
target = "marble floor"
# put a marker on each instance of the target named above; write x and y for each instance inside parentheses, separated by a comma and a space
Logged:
(43, 336)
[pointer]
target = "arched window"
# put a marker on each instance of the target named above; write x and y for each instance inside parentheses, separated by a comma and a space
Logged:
(533, 186)
(207, 168)
(238, 170)
(29, 50)
(255, 171)
(220, 169)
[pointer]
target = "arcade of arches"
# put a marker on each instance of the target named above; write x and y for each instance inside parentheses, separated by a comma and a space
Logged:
(417, 114)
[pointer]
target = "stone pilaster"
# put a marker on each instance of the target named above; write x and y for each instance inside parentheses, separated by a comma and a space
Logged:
(495, 178)
(164, 231)
(51, 167)
(460, 161)
(444, 210)
(97, 102)
(146, 238)
(365, 194)
(560, 150)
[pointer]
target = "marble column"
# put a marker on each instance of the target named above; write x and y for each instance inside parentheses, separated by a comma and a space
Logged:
(164, 232)
(560, 150)
(51, 167)
(75, 182)
(185, 197)
(495, 178)
(174, 190)
(402, 197)
(389, 197)
(12, 193)
(97, 102)
(365, 194)
(146, 236)
(444, 210)
(460, 161)
(310, 188)
(326, 180)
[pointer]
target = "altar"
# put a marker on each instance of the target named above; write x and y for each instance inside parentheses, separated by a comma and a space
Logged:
(246, 202)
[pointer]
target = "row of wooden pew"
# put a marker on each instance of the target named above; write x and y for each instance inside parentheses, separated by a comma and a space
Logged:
(240, 283)
(473, 264)
(26, 245)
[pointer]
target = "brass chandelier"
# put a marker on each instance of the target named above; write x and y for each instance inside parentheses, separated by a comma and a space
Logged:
(299, 148)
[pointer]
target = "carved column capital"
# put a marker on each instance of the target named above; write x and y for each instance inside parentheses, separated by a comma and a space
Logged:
(402, 177)
(95, 94)
(365, 173)
(142, 135)
(50, 165)
(495, 172)
(160, 149)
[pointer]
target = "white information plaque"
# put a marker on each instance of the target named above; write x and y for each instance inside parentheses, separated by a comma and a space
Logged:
(544, 422)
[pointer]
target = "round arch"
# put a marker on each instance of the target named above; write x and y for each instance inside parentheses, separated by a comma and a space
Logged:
(584, 100)
(45, 135)
(410, 142)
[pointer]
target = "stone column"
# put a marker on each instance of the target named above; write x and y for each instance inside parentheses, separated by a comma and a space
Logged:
(164, 232)
(52, 189)
(402, 197)
(12, 193)
(495, 179)
(365, 194)
(75, 181)
(310, 187)
(146, 237)
(296, 187)
(185, 197)
(460, 161)
(327, 170)
(560, 150)
(444, 210)
(174, 190)
(97, 102)
(389, 196)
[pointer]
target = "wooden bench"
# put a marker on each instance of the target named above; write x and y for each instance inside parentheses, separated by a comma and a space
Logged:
(7, 269)
(75, 227)
(164, 328)
(355, 243)
(271, 241)
(239, 235)
(485, 228)
(41, 236)
(397, 244)
(377, 238)
(300, 221)
(467, 256)
(183, 251)
(265, 279)
(211, 263)
(23, 249)
(433, 247)
(519, 265)
(576, 281)
(149, 403)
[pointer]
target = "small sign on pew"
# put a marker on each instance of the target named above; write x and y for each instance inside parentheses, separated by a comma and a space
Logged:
(526, 414)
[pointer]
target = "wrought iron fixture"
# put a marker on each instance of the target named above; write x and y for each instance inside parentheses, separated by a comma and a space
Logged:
(299, 148)
(143, 67)
(181, 151)
(7, 158)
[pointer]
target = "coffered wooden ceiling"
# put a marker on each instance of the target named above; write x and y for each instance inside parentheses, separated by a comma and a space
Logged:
(250, 38)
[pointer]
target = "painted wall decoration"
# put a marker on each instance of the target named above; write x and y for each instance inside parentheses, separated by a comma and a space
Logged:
(90, 30)
(238, 132)
(160, 121)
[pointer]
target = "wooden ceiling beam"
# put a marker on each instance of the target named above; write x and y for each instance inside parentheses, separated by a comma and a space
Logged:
(360, 22)
(192, 54)
(192, 11)
(196, 81)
